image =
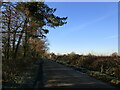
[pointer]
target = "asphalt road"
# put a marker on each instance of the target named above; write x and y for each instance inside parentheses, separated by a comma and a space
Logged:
(59, 76)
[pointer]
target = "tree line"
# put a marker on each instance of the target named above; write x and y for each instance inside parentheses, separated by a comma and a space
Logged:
(24, 29)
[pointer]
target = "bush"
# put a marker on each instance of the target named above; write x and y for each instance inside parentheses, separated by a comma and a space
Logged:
(86, 61)
(104, 64)
(11, 68)
(115, 81)
(114, 71)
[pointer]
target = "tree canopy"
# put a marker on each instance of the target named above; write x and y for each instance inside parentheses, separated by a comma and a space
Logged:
(22, 20)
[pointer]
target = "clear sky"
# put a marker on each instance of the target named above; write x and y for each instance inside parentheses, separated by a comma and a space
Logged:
(92, 27)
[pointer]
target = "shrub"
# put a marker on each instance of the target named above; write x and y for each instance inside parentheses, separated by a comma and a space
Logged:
(104, 63)
(115, 81)
(86, 61)
(11, 68)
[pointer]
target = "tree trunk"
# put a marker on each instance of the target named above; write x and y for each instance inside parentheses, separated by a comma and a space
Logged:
(14, 36)
(8, 38)
(19, 40)
(14, 39)
(26, 42)
(26, 35)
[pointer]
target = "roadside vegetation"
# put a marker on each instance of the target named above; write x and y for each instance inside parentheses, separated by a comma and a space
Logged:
(106, 68)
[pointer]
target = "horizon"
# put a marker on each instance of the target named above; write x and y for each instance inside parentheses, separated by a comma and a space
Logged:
(85, 54)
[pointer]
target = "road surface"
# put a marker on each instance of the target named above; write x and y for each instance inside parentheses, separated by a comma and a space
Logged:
(57, 75)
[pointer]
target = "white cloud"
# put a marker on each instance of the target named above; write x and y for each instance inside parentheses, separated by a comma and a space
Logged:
(112, 37)
(89, 23)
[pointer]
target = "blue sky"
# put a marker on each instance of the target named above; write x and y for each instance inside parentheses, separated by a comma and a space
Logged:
(92, 27)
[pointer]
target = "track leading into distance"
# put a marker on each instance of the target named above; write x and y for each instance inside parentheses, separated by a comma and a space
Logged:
(59, 76)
